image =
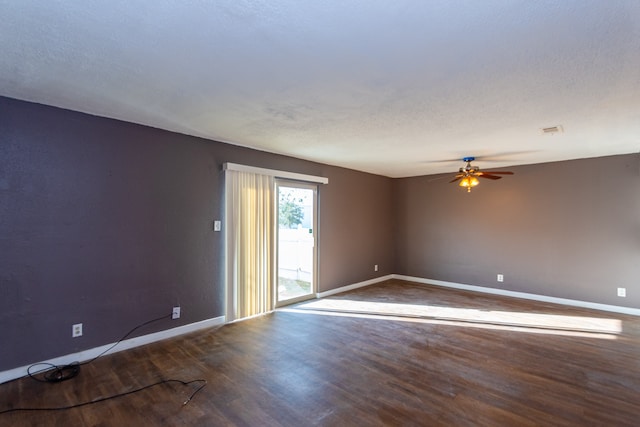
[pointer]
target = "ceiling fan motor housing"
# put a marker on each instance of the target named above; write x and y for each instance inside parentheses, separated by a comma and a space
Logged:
(468, 169)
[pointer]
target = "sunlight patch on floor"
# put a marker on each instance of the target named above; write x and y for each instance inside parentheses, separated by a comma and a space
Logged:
(593, 327)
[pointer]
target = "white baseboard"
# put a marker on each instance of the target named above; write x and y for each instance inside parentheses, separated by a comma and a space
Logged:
(524, 295)
(89, 354)
(354, 286)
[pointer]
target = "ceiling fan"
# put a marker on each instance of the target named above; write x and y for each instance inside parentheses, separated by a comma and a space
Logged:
(468, 175)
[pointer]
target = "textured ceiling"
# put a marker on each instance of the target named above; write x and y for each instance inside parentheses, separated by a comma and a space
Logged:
(388, 87)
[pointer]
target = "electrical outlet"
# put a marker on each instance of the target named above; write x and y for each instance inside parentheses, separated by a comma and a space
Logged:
(175, 314)
(76, 330)
(500, 278)
(622, 292)
(375, 267)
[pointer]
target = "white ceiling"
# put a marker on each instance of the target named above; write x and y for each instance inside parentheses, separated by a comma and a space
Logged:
(388, 87)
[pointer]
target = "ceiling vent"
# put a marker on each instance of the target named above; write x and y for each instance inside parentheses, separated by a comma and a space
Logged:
(551, 130)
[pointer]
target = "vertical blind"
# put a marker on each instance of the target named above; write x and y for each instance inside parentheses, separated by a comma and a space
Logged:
(251, 243)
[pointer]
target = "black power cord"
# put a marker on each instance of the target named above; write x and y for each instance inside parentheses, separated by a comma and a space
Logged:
(102, 399)
(55, 373)
(58, 373)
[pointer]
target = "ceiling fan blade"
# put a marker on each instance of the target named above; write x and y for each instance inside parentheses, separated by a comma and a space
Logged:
(499, 173)
(457, 178)
(456, 160)
(437, 178)
(489, 176)
(504, 156)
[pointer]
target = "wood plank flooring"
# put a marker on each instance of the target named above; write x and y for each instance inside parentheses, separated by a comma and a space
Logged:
(395, 353)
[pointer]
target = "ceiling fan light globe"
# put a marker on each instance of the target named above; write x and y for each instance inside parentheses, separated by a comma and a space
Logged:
(469, 181)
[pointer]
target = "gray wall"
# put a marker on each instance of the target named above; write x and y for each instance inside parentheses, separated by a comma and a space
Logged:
(109, 224)
(359, 218)
(567, 229)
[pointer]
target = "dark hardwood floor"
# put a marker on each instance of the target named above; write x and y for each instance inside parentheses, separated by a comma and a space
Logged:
(396, 353)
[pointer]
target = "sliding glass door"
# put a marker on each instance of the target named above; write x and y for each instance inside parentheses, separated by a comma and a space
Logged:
(296, 241)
